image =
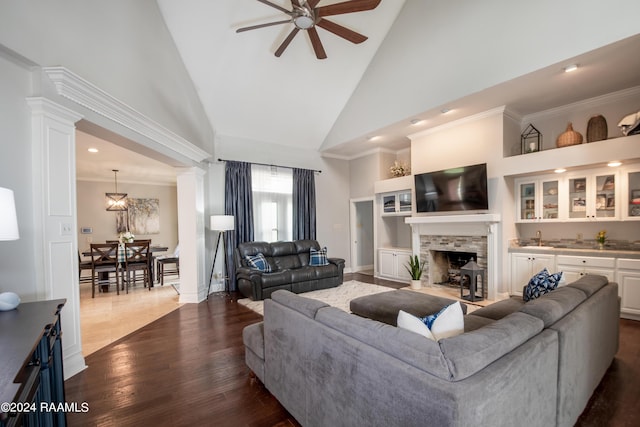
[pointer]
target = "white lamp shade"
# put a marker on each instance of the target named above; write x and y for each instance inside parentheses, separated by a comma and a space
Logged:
(222, 222)
(8, 218)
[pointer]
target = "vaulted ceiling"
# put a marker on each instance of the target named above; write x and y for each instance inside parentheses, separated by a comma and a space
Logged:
(296, 100)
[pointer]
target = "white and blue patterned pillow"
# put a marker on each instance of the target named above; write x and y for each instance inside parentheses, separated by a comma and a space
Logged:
(446, 323)
(318, 257)
(540, 284)
(259, 261)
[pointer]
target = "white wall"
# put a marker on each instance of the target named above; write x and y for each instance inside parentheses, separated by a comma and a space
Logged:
(92, 213)
(479, 44)
(121, 46)
(17, 272)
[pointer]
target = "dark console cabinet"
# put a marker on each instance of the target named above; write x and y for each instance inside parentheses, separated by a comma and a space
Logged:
(31, 372)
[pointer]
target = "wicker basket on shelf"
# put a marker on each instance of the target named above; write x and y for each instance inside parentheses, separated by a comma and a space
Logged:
(569, 137)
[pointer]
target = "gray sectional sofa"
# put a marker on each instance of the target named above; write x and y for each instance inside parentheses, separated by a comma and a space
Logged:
(533, 364)
(289, 262)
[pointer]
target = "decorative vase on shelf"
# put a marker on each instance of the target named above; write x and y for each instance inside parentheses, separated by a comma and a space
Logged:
(597, 128)
(601, 245)
(569, 137)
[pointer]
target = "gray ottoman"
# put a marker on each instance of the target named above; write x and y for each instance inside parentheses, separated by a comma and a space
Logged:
(384, 307)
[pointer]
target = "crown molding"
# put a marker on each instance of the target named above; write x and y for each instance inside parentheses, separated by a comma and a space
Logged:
(76, 89)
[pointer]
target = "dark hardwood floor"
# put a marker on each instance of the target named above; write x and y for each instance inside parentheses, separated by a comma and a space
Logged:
(187, 368)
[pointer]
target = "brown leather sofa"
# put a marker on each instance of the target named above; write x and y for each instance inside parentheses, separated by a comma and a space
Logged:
(290, 269)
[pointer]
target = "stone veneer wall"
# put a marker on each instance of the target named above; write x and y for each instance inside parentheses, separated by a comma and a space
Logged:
(477, 244)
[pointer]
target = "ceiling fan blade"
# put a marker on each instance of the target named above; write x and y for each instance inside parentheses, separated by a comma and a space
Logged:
(316, 43)
(253, 27)
(280, 8)
(346, 7)
(286, 41)
(341, 31)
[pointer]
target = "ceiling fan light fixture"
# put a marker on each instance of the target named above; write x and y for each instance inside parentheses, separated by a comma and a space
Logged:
(304, 22)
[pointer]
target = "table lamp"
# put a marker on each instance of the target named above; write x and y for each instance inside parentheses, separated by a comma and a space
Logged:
(220, 223)
(8, 231)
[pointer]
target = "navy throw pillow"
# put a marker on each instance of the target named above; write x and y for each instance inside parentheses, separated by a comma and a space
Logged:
(318, 257)
(259, 262)
(540, 284)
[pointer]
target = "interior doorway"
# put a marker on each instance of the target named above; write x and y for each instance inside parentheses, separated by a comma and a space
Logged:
(362, 235)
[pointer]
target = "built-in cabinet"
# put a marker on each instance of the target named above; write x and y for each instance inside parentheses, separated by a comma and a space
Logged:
(524, 266)
(391, 264)
(628, 278)
(593, 195)
(624, 271)
(397, 203)
(575, 267)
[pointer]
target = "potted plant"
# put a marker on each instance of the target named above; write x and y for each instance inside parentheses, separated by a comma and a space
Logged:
(415, 268)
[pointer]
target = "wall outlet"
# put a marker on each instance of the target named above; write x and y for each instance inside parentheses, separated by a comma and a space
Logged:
(579, 237)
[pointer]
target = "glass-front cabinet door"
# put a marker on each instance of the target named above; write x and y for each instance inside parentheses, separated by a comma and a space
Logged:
(631, 208)
(527, 200)
(605, 197)
(577, 197)
(537, 200)
(550, 199)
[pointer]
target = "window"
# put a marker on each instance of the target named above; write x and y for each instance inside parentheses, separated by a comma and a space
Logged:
(272, 203)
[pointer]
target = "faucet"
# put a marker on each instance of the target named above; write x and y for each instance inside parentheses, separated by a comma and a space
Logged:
(539, 237)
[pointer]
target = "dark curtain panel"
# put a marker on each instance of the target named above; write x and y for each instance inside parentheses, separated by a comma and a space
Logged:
(238, 201)
(304, 204)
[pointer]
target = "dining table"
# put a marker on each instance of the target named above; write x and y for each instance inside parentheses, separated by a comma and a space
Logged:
(121, 260)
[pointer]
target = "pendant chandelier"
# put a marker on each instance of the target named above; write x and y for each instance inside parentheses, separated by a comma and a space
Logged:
(116, 201)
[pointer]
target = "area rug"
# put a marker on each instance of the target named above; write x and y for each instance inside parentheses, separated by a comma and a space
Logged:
(339, 297)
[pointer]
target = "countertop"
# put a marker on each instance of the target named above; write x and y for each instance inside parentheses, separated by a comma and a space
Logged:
(591, 252)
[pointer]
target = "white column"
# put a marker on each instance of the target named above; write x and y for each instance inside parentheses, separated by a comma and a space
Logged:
(54, 202)
(191, 235)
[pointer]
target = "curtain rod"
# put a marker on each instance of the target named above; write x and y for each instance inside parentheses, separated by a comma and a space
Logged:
(265, 164)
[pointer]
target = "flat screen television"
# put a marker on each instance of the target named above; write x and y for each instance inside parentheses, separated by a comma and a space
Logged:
(452, 190)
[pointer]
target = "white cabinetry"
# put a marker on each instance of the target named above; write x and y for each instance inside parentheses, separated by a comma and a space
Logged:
(538, 199)
(628, 278)
(397, 203)
(593, 196)
(630, 205)
(575, 267)
(524, 266)
(391, 264)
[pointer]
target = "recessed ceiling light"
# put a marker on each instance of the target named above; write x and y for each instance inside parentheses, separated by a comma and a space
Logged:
(445, 110)
(560, 170)
(373, 138)
(417, 121)
(92, 150)
(614, 164)
(570, 68)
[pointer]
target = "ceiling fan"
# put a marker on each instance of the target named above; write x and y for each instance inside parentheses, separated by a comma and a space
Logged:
(306, 16)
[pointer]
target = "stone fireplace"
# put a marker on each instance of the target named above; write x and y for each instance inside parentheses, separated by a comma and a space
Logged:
(456, 238)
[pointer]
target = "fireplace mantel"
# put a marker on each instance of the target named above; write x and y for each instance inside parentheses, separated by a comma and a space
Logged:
(486, 225)
(448, 219)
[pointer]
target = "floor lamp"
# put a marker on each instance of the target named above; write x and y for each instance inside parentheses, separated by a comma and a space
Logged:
(220, 223)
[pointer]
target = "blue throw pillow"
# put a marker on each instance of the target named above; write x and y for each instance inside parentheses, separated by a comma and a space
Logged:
(540, 284)
(260, 262)
(318, 257)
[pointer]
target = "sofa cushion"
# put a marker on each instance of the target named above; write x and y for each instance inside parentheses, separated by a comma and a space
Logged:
(259, 262)
(540, 284)
(555, 305)
(318, 257)
(500, 309)
(589, 283)
(399, 343)
(307, 306)
(253, 338)
(254, 248)
(275, 278)
(470, 352)
(325, 271)
(471, 322)
(303, 274)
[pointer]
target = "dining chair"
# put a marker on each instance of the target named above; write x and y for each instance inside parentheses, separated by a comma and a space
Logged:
(163, 261)
(83, 265)
(137, 257)
(104, 260)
